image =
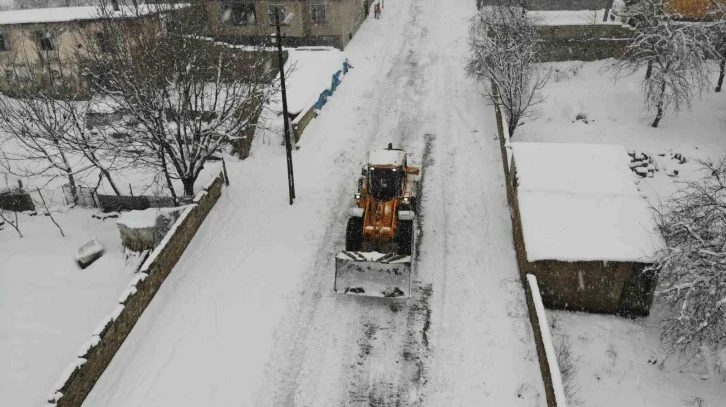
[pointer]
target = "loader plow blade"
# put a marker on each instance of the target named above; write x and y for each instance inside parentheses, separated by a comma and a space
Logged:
(373, 274)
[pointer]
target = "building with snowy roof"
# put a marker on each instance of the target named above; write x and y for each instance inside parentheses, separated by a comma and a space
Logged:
(313, 22)
(56, 36)
(582, 227)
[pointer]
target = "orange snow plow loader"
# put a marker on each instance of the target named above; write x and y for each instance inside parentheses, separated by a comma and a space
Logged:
(379, 239)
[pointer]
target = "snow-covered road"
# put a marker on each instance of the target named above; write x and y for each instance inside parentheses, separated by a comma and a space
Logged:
(249, 317)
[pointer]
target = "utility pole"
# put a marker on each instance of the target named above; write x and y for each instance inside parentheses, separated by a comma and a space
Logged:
(288, 146)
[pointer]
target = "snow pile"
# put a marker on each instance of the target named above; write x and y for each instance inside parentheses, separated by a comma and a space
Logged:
(549, 348)
(578, 202)
(309, 72)
(89, 252)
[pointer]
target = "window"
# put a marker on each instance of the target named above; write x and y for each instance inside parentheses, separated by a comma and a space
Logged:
(4, 42)
(45, 41)
(384, 183)
(318, 13)
(271, 13)
(239, 13)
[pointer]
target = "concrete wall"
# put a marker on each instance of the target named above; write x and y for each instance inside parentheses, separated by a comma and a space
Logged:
(148, 281)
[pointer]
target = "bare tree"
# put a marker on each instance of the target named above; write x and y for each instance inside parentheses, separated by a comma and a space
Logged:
(186, 98)
(692, 276)
(504, 50)
(45, 118)
(36, 126)
(15, 225)
(676, 56)
(719, 40)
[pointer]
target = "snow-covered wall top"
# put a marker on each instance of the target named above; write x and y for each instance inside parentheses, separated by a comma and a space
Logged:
(61, 14)
(578, 202)
(549, 347)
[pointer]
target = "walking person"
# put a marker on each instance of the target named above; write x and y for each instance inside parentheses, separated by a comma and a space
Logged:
(377, 10)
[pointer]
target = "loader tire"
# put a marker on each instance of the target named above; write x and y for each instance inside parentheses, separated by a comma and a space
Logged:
(354, 235)
(404, 237)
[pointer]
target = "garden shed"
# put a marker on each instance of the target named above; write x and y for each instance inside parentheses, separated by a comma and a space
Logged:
(582, 227)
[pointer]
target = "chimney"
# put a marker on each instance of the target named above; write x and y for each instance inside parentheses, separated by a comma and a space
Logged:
(114, 3)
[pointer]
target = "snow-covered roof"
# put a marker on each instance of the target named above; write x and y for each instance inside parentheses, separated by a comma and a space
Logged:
(386, 157)
(308, 73)
(62, 14)
(579, 202)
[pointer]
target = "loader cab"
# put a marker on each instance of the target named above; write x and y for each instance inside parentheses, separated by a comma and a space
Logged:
(384, 183)
(385, 173)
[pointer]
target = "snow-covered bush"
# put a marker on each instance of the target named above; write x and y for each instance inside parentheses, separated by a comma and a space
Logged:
(504, 48)
(692, 277)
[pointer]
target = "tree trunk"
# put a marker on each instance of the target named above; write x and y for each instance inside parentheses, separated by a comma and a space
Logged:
(69, 172)
(659, 106)
(188, 186)
(511, 128)
(722, 65)
(72, 184)
(168, 178)
(649, 71)
(107, 175)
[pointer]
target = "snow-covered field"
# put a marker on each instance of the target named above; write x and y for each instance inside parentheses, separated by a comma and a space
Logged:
(248, 317)
(619, 359)
(48, 306)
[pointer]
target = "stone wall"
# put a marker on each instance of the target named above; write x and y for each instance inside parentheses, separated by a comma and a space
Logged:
(302, 121)
(97, 355)
(583, 42)
(516, 228)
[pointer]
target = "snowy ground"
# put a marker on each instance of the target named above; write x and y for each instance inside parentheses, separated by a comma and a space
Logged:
(616, 356)
(249, 316)
(620, 364)
(48, 305)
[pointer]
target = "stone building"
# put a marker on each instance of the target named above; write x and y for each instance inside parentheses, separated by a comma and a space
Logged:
(54, 38)
(315, 22)
(582, 228)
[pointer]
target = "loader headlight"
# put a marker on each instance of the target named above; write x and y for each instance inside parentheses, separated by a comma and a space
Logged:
(357, 197)
(405, 200)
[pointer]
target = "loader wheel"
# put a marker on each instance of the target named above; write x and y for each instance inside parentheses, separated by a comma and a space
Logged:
(404, 237)
(354, 235)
